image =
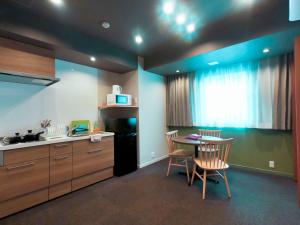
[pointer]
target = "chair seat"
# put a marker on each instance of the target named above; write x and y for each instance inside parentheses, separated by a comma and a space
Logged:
(215, 164)
(181, 153)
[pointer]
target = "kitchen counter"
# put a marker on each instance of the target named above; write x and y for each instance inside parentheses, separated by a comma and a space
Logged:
(47, 142)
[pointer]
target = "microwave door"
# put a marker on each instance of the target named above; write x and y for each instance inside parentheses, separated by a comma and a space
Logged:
(122, 99)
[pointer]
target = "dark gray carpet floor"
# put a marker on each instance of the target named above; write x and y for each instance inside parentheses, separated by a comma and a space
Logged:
(148, 197)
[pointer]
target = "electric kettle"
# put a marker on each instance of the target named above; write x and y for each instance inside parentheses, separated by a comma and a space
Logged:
(116, 89)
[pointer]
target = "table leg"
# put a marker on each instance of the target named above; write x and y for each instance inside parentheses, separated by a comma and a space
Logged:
(196, 151)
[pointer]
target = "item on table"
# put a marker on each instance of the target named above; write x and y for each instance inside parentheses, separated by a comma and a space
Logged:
(194, 137)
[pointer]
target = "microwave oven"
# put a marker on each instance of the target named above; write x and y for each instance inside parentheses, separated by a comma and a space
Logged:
(119, 99)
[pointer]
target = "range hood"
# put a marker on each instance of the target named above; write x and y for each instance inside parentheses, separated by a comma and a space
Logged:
(22, 78)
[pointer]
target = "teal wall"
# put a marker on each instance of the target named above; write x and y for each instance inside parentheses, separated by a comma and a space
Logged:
(254, 148)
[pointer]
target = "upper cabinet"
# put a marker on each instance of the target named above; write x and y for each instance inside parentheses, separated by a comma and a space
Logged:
(24, 63)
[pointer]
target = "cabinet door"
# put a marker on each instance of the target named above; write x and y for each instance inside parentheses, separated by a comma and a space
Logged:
(24, 58)
(60, 162)
(60, 168)
(91, 157)
(24, 177)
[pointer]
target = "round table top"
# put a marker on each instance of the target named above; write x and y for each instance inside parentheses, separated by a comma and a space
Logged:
(185, 140)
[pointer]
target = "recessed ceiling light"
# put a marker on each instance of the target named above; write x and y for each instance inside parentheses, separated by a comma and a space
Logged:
(177, 71)
(213, 63)
(190, 28)
(57, 2)
(180, 19)
(168, 7)
(93, 59)
(266, 50)
(138, 39)
(105, 24)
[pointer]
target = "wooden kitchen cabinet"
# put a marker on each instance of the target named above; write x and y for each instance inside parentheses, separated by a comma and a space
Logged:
(32, 175)
(26, 154)
(24, 58)
(92, 157)
(60, 169)
(24, 179)
(92, 162)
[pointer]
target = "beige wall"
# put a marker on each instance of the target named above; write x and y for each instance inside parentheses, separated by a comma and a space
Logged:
(129, 83)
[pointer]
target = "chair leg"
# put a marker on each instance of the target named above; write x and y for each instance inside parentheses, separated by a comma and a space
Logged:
(204, 185)
(227, 185)
(187, 171)
(170, 161)
(194, 171)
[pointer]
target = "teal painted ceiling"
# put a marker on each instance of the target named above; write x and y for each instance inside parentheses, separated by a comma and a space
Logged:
(278, 43)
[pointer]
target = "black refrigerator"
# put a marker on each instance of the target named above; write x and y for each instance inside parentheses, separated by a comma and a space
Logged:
(125, 144)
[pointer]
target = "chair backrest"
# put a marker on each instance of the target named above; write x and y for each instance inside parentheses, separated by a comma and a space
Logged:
(171, 144)
(216, 152)
(213, 133)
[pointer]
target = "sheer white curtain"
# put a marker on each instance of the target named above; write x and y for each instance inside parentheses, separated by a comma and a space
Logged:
(241, 95)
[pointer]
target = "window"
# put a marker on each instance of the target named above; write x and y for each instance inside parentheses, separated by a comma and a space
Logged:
(246, 95)
(243, 95)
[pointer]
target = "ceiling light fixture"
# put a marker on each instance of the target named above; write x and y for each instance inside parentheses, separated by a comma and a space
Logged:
(213, 63)
(138, 39)
(180, 19)
(190, 28)
(168, 8)
(266, 50)
(93, 59)
(105, 24)
(57, 2)
(177, 71)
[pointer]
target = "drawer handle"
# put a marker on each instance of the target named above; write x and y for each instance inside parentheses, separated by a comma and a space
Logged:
(20, 166)
(61, 157)
(61, 145)
(95, 150)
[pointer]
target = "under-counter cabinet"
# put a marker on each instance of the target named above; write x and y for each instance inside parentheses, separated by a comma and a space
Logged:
(60, 169)
(92, 162)
(24, 179)
(32, 175)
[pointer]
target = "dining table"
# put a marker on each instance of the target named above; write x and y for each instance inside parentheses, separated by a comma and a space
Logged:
(184, 140)
(196, 143)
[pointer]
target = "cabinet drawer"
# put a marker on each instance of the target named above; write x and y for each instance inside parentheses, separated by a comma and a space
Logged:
(59, 189)
(25, 154)
(60, 168)
(23, 202)
(89, 158)
(91, 178)
(22, 178)
(61, 148)
(106, 143)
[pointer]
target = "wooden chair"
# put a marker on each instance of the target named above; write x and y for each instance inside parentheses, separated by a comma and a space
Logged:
(214, 159)
(214, 133)
(178, 157)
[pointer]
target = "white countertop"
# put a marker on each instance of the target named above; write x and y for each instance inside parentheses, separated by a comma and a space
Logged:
(48, 142)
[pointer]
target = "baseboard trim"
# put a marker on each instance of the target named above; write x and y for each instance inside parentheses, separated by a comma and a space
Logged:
(142, 165)
(275, 172)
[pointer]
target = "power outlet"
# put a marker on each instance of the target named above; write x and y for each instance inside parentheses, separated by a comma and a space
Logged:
(152, 154)
(271, 164)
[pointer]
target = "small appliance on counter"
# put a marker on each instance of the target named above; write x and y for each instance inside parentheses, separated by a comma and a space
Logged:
(125, 144)
(116, 98)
